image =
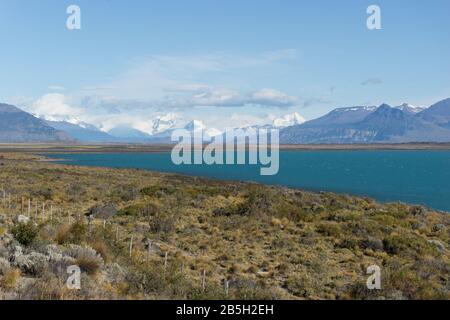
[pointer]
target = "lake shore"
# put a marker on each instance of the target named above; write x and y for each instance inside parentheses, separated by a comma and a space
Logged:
(270, 242)
(158, 148)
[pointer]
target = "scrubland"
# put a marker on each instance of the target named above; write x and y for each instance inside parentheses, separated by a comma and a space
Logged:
(165, 236)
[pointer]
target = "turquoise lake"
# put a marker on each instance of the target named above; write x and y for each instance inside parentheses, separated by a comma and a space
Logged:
(416, 177)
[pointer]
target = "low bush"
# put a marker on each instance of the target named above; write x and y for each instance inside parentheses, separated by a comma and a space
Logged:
(25, 233)
(10, 279)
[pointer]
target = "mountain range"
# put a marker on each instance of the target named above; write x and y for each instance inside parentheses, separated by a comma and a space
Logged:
(382, 124)
(350, 125)
(19, 126)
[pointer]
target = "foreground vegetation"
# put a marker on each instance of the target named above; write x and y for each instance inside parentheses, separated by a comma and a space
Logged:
(162, 236)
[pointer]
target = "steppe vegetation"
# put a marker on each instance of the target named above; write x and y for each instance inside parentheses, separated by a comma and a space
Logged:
(164, 236)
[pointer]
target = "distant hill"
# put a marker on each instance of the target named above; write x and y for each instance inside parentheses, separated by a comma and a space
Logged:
(383, 124)
(17, 126)
(81, 133)
(438, 113)
(128, 134)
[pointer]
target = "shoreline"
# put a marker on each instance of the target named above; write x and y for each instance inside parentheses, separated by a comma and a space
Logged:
(159, 148)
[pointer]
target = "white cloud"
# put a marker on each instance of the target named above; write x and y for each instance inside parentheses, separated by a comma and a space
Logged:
(151, 78)
(54, 106)
(189, 86)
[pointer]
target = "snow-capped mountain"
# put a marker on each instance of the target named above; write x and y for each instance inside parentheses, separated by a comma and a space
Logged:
(166, 123)
(383, 124)
(85, 133)
(406, 107)
(68, 120)
(288, 120)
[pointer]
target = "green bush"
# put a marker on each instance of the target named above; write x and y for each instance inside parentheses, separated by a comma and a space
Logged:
(157, 190)
(25, 233)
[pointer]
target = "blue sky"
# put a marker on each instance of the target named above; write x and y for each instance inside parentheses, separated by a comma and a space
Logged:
(220, 61)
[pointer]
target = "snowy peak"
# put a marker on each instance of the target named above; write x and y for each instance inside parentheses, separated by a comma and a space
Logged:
(355, 109)
(288, 120)
(406, 107)
(195, 125)
(164, 123)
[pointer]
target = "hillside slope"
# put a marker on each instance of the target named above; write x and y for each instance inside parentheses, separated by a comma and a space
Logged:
(267, 242)
(19, 126)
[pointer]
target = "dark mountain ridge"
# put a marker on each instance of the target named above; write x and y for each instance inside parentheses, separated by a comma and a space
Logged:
(17, 126)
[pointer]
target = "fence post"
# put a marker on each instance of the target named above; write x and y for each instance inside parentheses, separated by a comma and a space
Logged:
(227, 284)
(204, 280)
(131, 245)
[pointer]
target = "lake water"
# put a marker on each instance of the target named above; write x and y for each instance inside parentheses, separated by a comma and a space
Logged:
(418, 177)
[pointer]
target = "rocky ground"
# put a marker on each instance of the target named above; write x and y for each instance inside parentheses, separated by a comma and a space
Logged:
(162, 236)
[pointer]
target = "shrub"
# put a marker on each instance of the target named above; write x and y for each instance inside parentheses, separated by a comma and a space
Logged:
(329, 229)
(418, 211)
(371, 243)
(25, 233)
(163, 223)
(86, 258)
(46, 193)
(102, 249)
(10, 279)
(4, 266)
(158, 190)
(75, 233)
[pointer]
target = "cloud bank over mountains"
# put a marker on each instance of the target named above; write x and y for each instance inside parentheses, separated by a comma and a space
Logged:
(212, 88)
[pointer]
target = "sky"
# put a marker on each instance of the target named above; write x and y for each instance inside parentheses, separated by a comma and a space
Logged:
(225, 62)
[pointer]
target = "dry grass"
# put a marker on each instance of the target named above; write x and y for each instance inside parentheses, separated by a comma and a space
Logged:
(269, 242)
(10, 279)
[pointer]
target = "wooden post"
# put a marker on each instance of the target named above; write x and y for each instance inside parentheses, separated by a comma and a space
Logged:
(131, 245)
(43, 211)
(117, 234)
(204, 280)
(36, 211)
(51, 212)
(227, 284)
(21, 206)
(104, 224)
(29, 208)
